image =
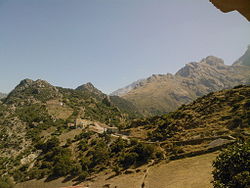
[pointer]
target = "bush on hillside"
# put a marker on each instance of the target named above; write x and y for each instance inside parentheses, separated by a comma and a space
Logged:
(6, 182)
(232, 167)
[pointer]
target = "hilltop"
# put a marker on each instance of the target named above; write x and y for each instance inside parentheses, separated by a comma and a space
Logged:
(36, 110)
(164, 93)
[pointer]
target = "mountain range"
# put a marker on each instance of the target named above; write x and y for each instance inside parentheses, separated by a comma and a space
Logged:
(162, 93)
(49, 132)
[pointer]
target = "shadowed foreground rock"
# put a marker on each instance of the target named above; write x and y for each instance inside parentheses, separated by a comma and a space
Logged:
(242, 6)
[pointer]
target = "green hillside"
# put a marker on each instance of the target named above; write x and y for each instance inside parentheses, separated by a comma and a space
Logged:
(41, 138)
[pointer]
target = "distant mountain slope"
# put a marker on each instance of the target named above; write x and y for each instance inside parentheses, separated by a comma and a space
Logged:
(245, 59)
(128, 88)
(208, 122)
(164, 93)
(2, 95)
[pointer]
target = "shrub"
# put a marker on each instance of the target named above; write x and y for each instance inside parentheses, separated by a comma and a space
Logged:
(62, 167)
(116, 169)
(51, 143)
(76, 169)
(85, 163)
(144, 152)
(83, 176)
(118, 145)
(6, 182)
(100, 155)
(232, 167)
(128, 159)
(235, 123)
(83, 145)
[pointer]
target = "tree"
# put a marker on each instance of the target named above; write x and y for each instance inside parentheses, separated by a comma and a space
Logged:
(62, 167)
(6, 182)
(232, 167)
(128, 159)
(52, 143)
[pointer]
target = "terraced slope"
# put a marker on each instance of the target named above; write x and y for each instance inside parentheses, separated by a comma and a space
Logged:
(37, 116)
(201, 126)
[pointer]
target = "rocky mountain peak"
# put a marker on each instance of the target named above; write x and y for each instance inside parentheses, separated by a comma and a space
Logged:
(26, 83)
(187, 70)
(155, 77)
(27, 88)
(164, 93)
(194, 68)
(213, 61)
(90, 88)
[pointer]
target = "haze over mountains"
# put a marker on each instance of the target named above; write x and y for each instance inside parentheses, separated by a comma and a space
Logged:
(163, 93)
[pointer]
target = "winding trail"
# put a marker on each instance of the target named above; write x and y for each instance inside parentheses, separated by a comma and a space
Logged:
(143, 184)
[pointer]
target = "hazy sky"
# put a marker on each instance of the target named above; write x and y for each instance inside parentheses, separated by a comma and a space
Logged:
(111, 43)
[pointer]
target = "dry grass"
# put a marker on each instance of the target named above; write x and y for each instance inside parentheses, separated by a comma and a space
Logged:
(59, 110)
(194, 172)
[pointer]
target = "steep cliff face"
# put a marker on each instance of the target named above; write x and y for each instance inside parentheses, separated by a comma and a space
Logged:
(163, 93)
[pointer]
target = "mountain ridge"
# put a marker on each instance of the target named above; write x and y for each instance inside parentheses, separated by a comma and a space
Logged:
(161, 93)
(36, 144)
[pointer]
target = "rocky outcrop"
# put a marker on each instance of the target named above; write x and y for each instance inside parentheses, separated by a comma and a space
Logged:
(30, 90)
(89, 87)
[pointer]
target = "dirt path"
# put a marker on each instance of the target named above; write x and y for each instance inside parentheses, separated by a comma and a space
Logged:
(143, 184)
